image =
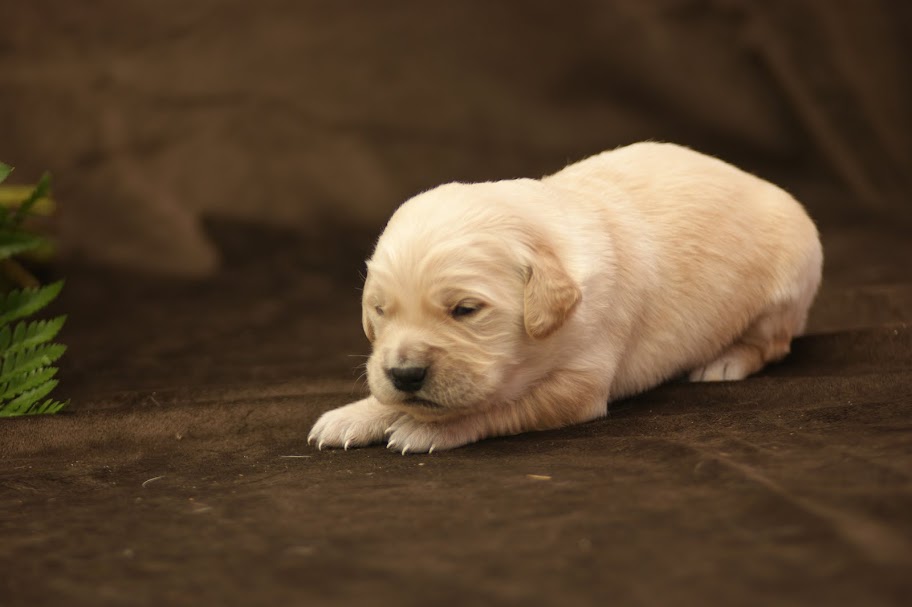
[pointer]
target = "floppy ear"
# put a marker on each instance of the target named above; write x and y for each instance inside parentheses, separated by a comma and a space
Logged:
(550, 293)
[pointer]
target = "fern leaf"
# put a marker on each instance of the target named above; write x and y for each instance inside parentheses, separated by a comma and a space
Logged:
(26, 377)
(29, 360)
(41, 191)
(28, 335)
(12, 243)
(11, 196)
(48, 406)
(5, 170)
(19, 303)
(26, 381)
(22, 403)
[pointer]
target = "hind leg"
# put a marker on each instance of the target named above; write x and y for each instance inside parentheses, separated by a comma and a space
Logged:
(767, 340)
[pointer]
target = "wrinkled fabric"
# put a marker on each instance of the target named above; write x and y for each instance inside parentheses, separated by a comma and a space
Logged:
(223, 170)
(152, 115)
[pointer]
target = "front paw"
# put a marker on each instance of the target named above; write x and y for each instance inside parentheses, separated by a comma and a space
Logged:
(359, 424)
(408, 435)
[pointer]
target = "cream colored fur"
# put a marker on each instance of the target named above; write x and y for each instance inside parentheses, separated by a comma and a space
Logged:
(617, 273)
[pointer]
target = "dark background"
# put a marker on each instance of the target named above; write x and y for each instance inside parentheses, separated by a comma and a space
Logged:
(222, 169)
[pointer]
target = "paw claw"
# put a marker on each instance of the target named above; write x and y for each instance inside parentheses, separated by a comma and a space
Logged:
(354, 425)
(431, 450)
(405, 449)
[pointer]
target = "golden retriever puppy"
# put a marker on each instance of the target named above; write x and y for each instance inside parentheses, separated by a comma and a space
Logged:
(499, 308)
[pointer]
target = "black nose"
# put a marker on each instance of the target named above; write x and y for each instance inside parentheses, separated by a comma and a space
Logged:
(407, 379)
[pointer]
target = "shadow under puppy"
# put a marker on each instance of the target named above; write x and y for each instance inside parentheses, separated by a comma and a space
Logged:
(503, 307)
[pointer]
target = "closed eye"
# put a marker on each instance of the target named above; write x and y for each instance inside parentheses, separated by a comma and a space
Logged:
(464, 310)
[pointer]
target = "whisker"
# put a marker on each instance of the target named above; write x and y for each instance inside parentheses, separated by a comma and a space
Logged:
(359, 382)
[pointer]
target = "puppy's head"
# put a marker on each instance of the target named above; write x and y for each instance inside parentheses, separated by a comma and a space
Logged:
(461, 288)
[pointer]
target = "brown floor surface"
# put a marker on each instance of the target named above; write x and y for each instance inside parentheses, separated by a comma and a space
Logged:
(181, 474)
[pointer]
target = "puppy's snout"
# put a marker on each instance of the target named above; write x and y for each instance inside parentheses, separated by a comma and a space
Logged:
(407, 379)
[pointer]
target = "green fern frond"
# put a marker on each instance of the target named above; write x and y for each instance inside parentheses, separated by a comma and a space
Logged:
(41, 191)
(29, 334)
(5, 171)
(27, 361)
(26, 356)
(26, 381)
(48, 406)
(13, 243)
(11, 196)
(22, 403)
(19, 303)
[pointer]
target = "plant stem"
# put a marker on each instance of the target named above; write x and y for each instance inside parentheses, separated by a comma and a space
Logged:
(18, 274)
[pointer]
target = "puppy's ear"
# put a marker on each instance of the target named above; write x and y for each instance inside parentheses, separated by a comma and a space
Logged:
(550, 293)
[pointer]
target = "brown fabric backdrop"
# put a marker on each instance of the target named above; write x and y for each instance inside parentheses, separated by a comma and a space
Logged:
(153, 114)
(223, 168)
